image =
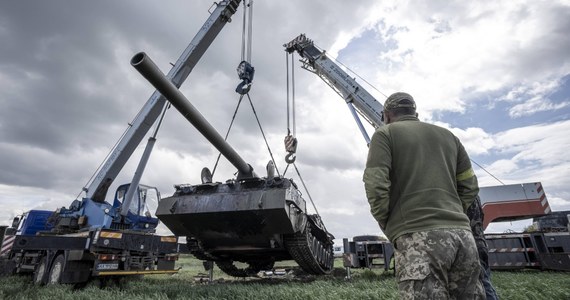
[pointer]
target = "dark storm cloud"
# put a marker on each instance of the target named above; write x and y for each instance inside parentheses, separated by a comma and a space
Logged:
(61, 77)
(48, 54)
(61, 90)
(66, 87)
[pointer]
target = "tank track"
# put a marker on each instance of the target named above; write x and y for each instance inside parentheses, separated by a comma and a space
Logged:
(313, 254)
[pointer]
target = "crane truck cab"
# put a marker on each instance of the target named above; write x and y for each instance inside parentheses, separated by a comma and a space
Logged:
(31, 222)
(140, 215)
(88, 214)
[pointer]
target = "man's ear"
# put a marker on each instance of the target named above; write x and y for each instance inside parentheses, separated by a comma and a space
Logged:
(387, 118)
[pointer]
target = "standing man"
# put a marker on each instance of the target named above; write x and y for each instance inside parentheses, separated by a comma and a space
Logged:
(419, 184)
(476, 215)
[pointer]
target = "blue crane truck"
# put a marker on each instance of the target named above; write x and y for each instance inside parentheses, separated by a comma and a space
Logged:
(92, 237)
(55, 247)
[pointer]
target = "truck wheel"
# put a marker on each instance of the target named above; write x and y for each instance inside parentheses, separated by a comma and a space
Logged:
(56, 270)
(40, 272)
(7, 267)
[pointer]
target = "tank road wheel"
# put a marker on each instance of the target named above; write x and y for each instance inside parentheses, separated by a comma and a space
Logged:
(56, 270)
(313, 255)
(40, 272)
(228, 267)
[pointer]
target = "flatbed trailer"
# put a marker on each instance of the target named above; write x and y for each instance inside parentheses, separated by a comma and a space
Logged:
(534, 250)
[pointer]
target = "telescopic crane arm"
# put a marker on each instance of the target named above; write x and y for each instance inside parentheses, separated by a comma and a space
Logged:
(150, 112)
(356, 97)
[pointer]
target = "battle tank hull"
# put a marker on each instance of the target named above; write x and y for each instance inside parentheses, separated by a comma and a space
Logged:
(255, 220)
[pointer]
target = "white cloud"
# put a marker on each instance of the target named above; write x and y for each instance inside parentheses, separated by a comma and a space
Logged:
(533, 97)
(546, 143)
(441, 52)
(16, 200)
(475, 140)
(528, 154)
(558, 203)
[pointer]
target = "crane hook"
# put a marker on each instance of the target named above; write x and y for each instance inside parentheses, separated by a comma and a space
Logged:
(245, 72)
(289, 159)
(291, 147)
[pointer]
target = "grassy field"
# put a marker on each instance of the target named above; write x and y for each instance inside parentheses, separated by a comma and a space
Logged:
(365, 284)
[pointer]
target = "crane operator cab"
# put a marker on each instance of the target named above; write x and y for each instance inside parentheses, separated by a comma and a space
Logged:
(140, 215)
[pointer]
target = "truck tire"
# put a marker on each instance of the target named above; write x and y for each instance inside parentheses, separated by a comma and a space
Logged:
(40, 272)
(7, 267)
(56, 270)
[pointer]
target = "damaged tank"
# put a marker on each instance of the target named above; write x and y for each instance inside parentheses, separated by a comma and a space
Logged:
(249, 219)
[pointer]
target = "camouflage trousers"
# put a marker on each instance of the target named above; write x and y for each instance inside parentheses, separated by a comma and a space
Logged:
(438, 264)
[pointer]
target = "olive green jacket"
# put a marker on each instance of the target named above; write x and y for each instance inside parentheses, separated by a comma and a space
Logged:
(418, 177)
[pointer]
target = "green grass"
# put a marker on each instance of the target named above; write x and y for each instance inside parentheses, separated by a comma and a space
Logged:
(365, 284)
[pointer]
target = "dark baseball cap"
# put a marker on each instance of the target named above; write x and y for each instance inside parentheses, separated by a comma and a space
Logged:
(399, 100)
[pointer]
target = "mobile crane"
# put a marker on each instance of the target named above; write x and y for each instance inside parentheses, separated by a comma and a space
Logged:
(357, 98)
(94, 238)
(546, 250)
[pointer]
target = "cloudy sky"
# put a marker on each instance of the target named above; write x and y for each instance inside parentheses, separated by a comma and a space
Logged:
(497, 73)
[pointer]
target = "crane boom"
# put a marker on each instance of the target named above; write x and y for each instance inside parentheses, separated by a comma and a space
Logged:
(357, 98)
(150, 112)
(497, 200)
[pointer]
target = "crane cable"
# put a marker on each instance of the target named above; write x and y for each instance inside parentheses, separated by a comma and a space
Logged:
(227, 134)
(290, 139)
(487, 171)
(263, 134)
(246, 38)
(246, 57)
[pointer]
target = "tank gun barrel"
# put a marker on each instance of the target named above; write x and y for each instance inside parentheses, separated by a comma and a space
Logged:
(148, 69)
